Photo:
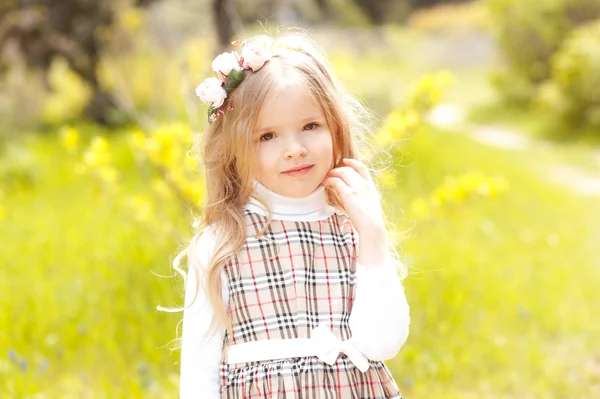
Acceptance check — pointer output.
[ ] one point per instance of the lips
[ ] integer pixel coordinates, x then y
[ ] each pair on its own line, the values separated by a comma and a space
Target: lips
298, 168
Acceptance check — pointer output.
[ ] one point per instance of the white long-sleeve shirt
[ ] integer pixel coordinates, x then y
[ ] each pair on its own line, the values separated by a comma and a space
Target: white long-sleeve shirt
379, 319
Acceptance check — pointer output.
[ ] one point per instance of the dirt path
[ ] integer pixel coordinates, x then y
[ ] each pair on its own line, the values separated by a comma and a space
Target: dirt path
452, 117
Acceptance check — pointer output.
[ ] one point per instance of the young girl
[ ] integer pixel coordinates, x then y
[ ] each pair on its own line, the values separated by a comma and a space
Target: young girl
292, 290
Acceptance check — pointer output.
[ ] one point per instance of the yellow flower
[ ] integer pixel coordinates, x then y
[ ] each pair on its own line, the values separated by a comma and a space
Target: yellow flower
445, 78
396, 123
384, 137
499, 185
97, 153
193, 192
429, 90
69, 138
436, 201
459, 188
132, 20
411, 118
159, 186
420, 208
167, 144
99, 143
107, 174
92, 158
141, 207
485, 188
387, 178
189, 162
137, 139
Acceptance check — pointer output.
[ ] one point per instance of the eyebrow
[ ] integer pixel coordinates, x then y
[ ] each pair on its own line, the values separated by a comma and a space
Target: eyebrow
303, 121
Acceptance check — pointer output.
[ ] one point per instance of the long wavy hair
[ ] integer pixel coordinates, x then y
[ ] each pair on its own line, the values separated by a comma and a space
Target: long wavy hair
229, 158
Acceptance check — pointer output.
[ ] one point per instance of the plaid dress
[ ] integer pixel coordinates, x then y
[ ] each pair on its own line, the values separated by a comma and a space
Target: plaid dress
310, 282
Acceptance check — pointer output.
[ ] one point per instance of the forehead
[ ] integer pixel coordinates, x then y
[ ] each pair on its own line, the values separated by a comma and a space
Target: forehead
288, 106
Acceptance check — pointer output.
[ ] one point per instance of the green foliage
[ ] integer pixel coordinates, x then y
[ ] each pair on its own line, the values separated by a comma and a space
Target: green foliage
514, 88
528, 34
210, 111
503, 288
233, 80
574, 90
503, 296
493, 285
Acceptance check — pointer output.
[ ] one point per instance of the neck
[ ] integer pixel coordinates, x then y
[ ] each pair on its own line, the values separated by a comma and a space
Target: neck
314, 206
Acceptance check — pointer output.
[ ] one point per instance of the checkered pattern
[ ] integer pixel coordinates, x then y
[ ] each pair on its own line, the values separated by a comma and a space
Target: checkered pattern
310, 282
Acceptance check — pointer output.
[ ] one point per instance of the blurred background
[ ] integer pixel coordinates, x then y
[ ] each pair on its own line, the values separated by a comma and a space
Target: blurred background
488, 132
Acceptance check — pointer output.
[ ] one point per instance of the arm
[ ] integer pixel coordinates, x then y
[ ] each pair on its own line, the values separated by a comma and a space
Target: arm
200, 348
380, 315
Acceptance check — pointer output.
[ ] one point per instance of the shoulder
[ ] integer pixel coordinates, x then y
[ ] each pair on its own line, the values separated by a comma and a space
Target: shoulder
203, 244
201, 250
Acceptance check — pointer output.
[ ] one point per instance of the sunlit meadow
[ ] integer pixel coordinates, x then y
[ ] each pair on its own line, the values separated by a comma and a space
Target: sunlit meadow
503, 267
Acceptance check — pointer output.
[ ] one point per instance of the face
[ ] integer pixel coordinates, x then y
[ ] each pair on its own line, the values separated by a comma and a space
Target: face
291, 131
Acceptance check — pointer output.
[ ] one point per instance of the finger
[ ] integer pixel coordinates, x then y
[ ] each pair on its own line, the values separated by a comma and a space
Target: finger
338, 184
359, 167
350, 176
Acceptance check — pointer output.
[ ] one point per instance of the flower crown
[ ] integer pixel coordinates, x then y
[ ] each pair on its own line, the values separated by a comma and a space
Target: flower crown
230, 72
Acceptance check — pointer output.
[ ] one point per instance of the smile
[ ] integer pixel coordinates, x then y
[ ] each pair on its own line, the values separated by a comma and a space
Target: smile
299, 172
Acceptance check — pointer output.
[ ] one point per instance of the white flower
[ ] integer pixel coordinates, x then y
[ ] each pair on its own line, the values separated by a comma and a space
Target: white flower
224, 63
211, 91
255, 55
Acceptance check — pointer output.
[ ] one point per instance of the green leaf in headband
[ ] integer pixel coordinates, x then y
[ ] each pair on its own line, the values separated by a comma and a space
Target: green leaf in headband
234, 78
211, 110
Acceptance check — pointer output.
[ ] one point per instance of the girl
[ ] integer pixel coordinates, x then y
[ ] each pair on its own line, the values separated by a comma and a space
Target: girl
292, 291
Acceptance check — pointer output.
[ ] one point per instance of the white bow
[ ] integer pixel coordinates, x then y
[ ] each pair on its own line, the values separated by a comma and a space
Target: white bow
328, 347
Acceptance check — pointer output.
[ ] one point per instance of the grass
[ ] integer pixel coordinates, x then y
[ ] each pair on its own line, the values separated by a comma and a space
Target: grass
76, 292
562, 142
502, 290
537, 123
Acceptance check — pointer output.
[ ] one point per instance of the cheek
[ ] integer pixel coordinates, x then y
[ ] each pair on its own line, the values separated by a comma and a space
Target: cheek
266, 161
326, 146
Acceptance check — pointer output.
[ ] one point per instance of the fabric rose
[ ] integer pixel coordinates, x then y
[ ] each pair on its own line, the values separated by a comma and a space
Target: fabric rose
211, 91
255, 56
224, 63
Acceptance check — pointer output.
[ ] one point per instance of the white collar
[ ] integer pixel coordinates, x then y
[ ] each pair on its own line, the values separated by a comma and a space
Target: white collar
310, 208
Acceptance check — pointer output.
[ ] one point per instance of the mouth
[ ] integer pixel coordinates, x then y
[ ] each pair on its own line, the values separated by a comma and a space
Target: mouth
299, 171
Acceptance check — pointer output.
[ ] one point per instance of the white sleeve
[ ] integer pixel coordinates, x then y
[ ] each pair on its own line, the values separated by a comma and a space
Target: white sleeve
380, 315
200, 352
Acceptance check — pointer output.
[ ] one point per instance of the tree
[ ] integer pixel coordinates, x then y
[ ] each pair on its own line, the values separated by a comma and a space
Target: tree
227, 22
72, 29
376, 10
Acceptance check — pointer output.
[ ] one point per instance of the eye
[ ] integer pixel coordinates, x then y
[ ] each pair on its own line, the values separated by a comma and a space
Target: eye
311, 126
265, 135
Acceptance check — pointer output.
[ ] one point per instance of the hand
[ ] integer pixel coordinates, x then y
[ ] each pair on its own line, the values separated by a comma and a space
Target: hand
356, 189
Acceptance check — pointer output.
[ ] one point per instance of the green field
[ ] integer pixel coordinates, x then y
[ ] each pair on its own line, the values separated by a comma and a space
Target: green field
503, 288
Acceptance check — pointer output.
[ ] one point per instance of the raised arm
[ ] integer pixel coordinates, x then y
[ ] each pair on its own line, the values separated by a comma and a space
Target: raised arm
200, 348
380, 315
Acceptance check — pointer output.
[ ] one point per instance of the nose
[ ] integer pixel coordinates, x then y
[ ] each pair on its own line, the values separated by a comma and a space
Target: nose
295, 148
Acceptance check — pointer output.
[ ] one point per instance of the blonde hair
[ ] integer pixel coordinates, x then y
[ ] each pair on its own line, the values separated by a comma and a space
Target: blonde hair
228, 156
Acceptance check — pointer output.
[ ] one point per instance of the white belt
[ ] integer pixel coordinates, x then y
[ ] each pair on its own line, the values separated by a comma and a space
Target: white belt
322, 343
